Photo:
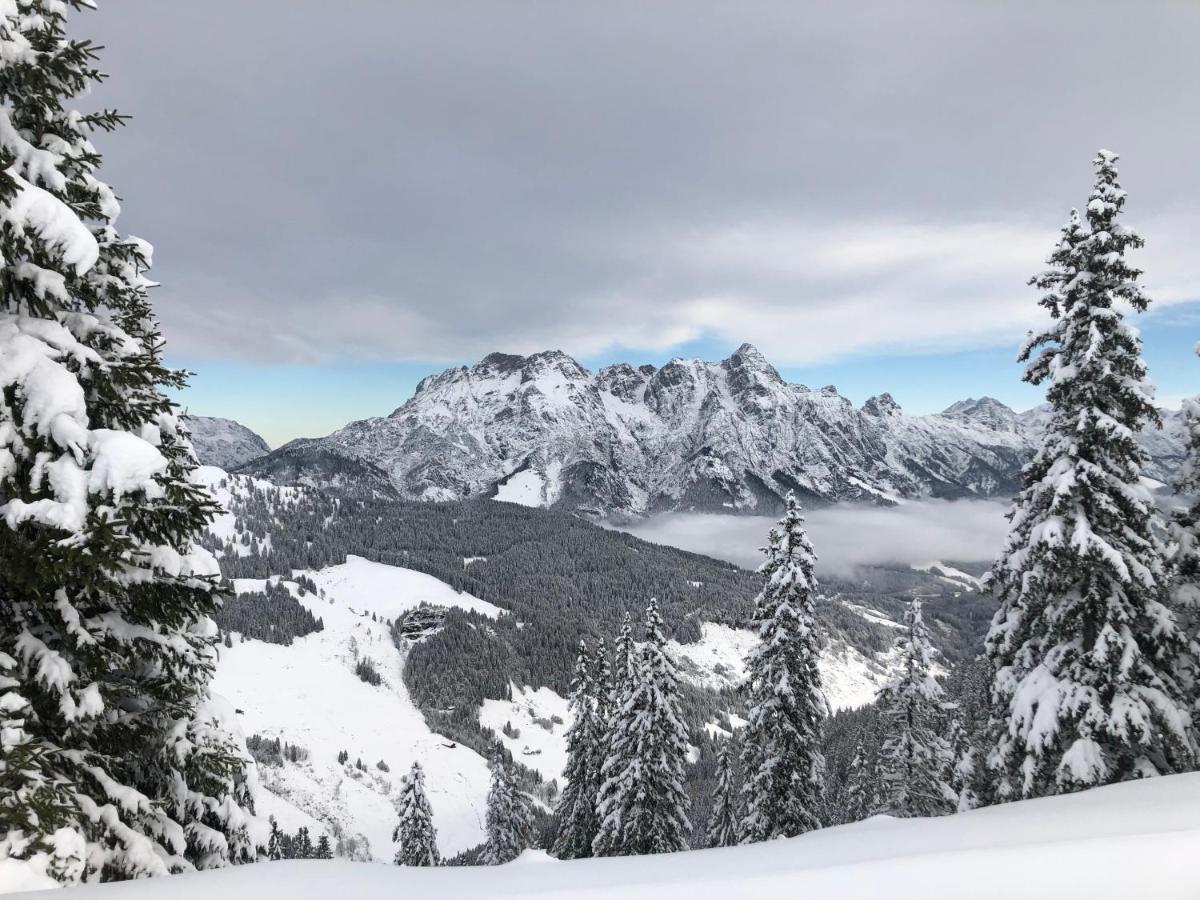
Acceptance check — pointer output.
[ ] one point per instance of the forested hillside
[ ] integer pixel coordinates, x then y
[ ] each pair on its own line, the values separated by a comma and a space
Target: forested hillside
561, 579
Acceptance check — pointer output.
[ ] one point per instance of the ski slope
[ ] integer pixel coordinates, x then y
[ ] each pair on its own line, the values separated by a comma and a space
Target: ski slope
1133, 840
307, 694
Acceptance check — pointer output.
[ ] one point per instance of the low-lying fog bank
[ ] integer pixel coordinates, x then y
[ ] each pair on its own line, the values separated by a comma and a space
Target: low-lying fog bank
847, 536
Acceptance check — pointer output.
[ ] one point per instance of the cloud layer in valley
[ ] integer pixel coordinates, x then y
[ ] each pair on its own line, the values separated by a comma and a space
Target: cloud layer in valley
848, 536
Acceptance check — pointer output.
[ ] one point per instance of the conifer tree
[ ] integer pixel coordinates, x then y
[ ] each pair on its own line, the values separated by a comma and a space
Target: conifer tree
304, 844
323, 851
416, 833
106, 638
602, 691
643, 807
785, 705
626, 661
915, 759
620, 692
508, 817
862, 779
725, 821
1084, 644
576, 809
275, 841
964, 770
1185, 562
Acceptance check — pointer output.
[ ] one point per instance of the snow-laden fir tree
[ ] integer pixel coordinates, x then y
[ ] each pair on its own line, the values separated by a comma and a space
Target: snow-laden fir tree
1185, 562
724, 824
323, 849
643, 806
576, 808
862, 786
415, 833
509, 822
275, 841
1084, 643
115, 761
964, 768
785, 706
915, 760
619, 691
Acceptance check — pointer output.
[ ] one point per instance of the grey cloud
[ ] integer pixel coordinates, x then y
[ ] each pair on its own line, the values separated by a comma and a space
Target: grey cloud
433, 180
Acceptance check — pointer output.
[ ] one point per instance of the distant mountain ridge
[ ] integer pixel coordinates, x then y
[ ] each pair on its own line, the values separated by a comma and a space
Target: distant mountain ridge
224, 443
630, 441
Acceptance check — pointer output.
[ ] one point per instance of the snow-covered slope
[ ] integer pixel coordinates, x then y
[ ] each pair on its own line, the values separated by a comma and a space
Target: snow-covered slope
718, 660
308, 694
223, 442
1136, 839
733, 435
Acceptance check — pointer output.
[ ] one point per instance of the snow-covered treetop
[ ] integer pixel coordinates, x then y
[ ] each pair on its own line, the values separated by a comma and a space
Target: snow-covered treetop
791, 559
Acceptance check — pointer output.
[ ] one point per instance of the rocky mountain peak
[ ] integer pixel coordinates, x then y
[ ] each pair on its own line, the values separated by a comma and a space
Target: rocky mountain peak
881, 406
747, 358
224, 443
986, 411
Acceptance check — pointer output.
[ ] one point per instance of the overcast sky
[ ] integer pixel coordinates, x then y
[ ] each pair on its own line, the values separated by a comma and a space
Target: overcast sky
345, 196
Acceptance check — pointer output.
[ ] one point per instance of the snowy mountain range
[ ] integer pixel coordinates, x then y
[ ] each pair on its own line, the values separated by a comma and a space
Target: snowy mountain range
224, 443
625, 442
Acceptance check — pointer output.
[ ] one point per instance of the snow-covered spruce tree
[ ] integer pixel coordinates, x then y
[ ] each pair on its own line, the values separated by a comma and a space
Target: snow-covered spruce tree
862, 786
509, 823
915, 760
643, 806
724, 823
1084, 644
1185, 562
415, 833
576, 809
120, 759
964, 770
785, 705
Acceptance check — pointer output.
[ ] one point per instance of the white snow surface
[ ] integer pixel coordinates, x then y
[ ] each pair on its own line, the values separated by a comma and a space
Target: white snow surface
1113, 843
541, 748
718, 660
526, 488
308, 694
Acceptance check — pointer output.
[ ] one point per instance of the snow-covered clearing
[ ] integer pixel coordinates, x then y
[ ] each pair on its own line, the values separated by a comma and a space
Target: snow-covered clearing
308, 694
1130, 840
525, 488
385, 590
541, 742
949, 574
718, 659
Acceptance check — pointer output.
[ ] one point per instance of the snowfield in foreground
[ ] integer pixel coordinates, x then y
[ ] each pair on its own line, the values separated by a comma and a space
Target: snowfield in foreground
1134, 840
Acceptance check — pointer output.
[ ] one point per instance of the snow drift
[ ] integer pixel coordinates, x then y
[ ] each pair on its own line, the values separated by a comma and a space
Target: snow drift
1127, 840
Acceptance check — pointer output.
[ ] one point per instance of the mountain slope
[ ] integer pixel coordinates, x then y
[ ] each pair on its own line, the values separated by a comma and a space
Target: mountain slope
307, 694
1125, 840
224, 443
626, 442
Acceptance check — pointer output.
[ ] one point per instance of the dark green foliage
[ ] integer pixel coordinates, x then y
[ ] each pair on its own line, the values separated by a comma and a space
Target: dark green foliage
101, 580
273, 616
366, 671
273, 752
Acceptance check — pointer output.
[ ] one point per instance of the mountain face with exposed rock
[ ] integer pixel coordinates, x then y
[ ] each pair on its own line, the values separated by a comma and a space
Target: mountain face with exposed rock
224, 443
629, 441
